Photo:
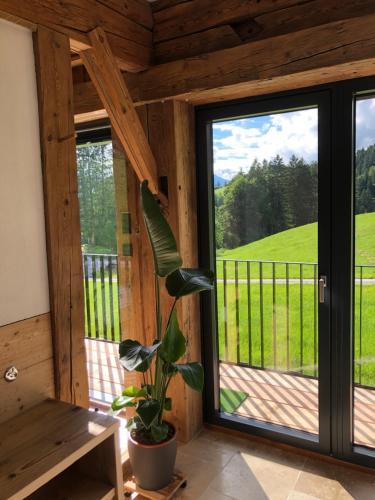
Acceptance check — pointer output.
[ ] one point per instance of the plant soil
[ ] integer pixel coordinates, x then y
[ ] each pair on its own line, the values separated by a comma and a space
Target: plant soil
142, 436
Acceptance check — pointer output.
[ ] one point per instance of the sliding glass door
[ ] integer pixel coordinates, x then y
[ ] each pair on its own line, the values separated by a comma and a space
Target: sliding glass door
287, 199
364, 273
267, 170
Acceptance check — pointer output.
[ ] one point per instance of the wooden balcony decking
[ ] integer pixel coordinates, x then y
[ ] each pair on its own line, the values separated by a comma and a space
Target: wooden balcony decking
279, 398
292, 401
106, 376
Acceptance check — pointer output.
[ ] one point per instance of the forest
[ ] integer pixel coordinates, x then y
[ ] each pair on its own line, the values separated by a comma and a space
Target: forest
270, 197
96, 194
275, 195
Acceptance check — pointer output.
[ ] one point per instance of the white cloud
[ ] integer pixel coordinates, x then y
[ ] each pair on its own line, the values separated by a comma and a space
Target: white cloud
238, 143
365, 123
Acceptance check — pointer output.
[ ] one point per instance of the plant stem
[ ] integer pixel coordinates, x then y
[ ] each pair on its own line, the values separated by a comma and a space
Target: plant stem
162, 398
171, 311
145, 384
158, 312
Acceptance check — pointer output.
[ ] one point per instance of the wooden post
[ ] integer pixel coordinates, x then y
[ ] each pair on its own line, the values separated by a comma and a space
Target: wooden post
169, 128
122, 237
58, 146
171, 137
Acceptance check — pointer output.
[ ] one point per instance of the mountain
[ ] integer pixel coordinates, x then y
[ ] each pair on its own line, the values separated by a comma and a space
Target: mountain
219, 181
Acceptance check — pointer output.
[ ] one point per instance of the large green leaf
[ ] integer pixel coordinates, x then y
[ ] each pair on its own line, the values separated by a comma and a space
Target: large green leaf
134, 356
173, 346
134, 392
163, 243
122, 402
168, 404
193, 375
159, 432
148, 411
185, 281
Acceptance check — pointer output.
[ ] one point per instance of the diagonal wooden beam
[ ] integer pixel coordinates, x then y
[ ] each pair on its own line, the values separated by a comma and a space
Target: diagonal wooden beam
110, 85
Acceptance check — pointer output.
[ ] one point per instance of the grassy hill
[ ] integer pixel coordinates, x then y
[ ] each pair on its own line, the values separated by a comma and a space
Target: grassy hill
300, 244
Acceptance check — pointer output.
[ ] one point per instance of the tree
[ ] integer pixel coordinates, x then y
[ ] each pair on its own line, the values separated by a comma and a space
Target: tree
96, 195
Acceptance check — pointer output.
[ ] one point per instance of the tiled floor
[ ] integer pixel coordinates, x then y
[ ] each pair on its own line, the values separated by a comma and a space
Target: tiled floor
222, 467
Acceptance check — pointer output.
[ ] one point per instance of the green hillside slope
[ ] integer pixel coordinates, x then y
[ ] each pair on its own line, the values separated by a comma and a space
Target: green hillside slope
300, 244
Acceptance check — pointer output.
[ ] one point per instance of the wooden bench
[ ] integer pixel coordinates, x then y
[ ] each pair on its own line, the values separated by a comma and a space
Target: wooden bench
59, 451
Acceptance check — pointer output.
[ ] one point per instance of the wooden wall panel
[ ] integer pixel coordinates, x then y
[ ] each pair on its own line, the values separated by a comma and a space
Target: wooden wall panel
123, 262
27, 345
55, 89
144, 328
189, 311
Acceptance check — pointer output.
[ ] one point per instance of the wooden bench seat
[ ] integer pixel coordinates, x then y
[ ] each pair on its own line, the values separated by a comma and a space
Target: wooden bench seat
57, 450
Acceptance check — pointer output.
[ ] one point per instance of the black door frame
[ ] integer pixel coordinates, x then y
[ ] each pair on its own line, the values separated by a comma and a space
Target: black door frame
343, 165
336, 216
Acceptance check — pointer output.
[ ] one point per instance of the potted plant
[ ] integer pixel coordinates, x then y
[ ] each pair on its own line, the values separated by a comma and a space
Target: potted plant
152, 439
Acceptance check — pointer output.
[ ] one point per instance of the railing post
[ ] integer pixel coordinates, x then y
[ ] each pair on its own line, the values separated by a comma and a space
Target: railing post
237, 312
274, 315
106, 322
261, 314
225, 309
250, 347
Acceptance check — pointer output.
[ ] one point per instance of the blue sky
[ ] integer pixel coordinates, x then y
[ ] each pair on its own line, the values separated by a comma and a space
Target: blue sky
237, 143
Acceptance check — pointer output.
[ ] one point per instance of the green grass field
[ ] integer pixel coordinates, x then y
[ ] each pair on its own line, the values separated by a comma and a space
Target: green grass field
300, 244
301, 326
284, 327
104, 328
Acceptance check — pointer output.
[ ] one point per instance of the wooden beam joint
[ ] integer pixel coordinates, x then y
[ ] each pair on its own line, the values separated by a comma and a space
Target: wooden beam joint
110, 85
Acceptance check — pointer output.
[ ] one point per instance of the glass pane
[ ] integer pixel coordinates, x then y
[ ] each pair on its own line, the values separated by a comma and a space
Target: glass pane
364, 289
266, 207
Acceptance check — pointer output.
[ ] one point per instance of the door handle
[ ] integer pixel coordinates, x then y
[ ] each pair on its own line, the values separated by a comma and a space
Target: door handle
322, 287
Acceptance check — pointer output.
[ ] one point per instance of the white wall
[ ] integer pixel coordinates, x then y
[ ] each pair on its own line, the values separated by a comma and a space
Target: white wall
23, 261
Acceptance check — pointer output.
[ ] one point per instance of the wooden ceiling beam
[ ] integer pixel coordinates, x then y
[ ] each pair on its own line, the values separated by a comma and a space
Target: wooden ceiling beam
138, 11
210, 40
198, 15
131, 42
294, 18
334, 51
349, 44
110, 85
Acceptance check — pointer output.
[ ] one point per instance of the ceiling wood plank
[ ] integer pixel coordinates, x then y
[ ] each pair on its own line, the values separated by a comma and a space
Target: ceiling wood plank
138, 11
198, 15
210, 40
111, 88
294, 18
159, 5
